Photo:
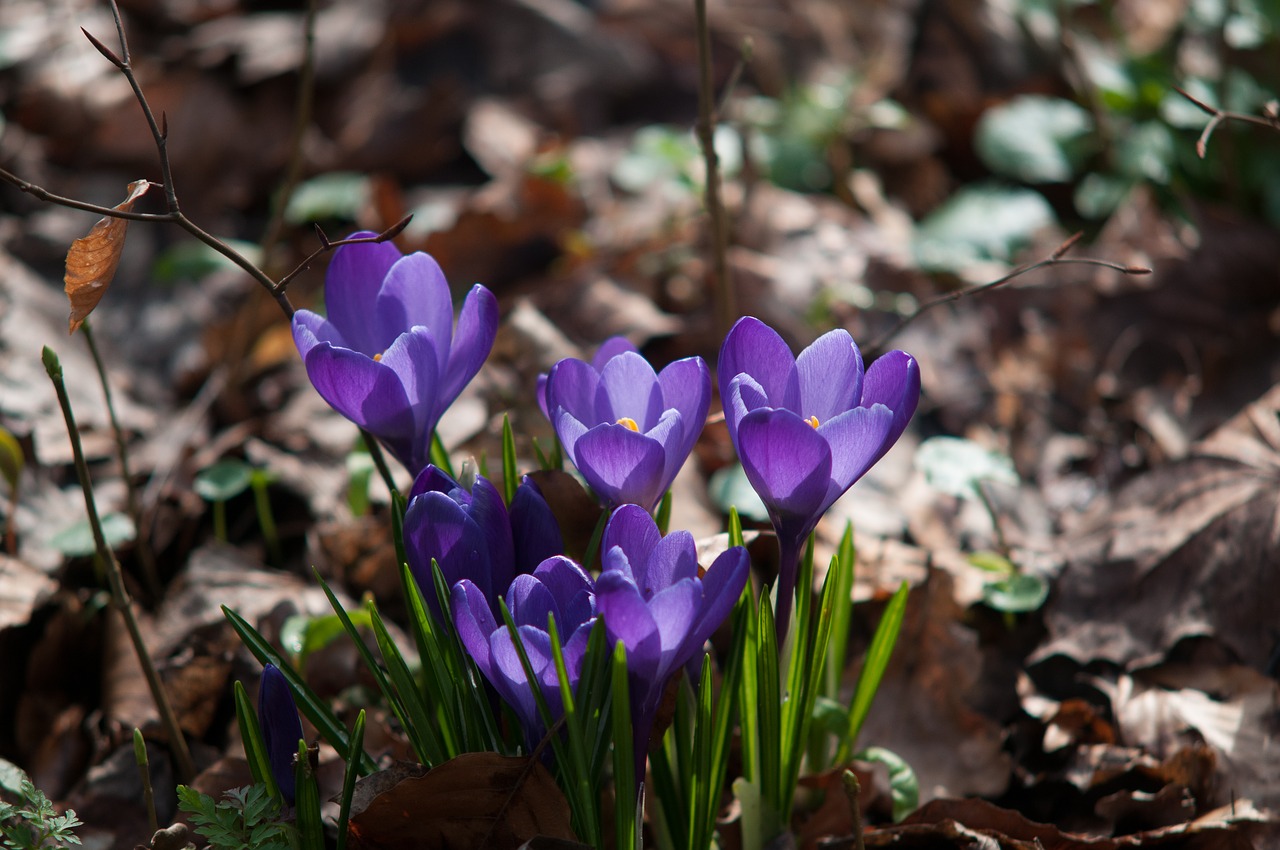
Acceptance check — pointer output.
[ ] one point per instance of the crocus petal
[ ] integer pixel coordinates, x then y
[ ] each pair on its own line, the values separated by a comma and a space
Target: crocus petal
756, 349
830, 376
669, 433
632, 530
675, 611
490, 516
310, 329
894, 381
628, 388
415, 292
412, 357
281, 728
366, 392
787, 462
627, 618
351, 290
686, 387
566, 582
674, 559
621, 465
571, 386
435, 526
477, 329
721, 588
541, 393
568, 430
432, 478
475, 623
510, 680
609, 349
745, 395
535, 534
857, 438
529, 602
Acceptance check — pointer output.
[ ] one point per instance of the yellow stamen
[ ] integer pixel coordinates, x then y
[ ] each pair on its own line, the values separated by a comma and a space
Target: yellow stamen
377, 358
628, 422
813, 420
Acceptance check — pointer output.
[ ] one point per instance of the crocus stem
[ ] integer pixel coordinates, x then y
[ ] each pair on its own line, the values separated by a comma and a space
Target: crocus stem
184, 766
790, 550
145, 556
379, 460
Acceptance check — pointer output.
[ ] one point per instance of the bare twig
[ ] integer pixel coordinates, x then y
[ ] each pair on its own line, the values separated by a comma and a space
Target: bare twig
1054, 259
853, 791
327, 245
726, 308
1217, 117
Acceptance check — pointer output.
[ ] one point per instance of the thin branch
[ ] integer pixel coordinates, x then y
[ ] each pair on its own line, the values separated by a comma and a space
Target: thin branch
1217, 117
327, 244
726, 308
1054, 259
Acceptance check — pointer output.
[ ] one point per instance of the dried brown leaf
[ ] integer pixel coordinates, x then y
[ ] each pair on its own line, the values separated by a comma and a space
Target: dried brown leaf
475, 800
92, 260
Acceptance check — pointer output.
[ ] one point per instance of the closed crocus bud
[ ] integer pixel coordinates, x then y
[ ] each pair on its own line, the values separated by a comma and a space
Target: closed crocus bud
281, 728
627, 429
387, 356
806, 428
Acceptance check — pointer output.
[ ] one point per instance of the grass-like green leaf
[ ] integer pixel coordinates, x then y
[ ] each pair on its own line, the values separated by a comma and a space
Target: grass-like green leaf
307, 801
255, 749
878, 655
349, 781
510, 472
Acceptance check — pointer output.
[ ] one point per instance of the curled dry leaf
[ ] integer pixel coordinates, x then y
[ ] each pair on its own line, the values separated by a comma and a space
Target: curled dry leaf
92, 260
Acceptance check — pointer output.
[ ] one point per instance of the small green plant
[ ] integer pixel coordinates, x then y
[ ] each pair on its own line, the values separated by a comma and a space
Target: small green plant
248, 818
36, 824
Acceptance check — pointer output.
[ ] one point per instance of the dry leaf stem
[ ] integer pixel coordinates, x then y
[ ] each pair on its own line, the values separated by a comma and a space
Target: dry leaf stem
183, 764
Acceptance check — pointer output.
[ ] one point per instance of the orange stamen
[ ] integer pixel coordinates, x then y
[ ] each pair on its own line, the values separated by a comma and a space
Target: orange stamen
377, 358
813, 420
628, 422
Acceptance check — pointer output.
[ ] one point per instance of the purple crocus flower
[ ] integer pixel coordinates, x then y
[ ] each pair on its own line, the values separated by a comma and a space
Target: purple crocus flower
387, 357
557, 587
472, 535
807, 427
627, 429
281, 728
652, 599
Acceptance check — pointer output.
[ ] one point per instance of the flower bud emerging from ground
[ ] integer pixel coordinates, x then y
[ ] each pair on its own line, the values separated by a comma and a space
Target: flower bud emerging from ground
627, 429
281, 728
806, 428
387, 357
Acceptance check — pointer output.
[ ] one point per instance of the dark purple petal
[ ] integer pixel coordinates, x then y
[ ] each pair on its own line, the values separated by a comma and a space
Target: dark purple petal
721, 588
628, 388
621, 465
541, 393
415, 293
529, 602
669, 433
432, 478
435, 526
894, 381
535, 533
351, 290
571, 384
609, 349
477, 328
281, 728
830, 376
490, 516
786, 461
569, 585
633, 530
568, 430
858, 438
510, 680
754, 348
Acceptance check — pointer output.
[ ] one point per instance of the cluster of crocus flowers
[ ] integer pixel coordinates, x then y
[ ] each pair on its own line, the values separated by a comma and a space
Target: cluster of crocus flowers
627, 429
806, 428
387, 357
471, 534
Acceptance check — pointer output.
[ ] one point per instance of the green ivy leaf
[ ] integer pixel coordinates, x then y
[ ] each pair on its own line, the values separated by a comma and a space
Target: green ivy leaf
77, 540
225, 480
954, 465
980, 223
1035, 139
1017, 594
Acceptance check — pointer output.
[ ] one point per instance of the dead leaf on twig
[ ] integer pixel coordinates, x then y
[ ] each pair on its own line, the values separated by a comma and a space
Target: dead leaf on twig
92, 260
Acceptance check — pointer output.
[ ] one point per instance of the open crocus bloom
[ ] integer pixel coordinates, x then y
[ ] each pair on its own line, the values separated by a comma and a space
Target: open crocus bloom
806, 428
387, 357
281, 728
557, 587
652, 599
627, 429
472, 535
